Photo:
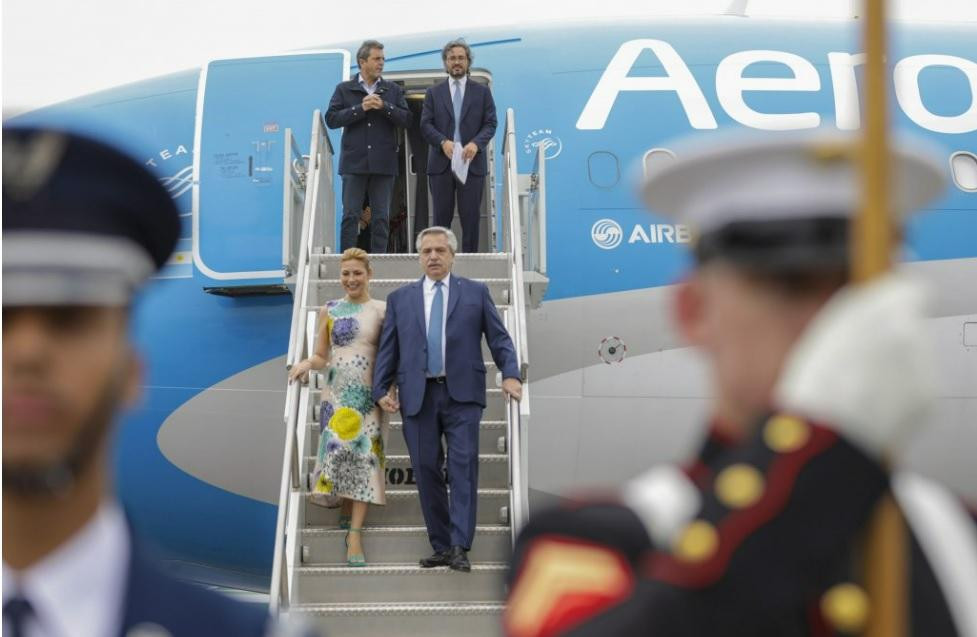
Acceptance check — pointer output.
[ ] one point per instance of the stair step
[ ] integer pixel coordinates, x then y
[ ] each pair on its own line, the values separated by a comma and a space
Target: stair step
392, 544
490, 432
431, 619
400, 582
390, 266
501, 308
403, 508
493, 470
495, 404
322, 290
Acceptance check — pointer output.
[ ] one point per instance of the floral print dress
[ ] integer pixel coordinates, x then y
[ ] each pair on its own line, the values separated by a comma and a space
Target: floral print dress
353, 430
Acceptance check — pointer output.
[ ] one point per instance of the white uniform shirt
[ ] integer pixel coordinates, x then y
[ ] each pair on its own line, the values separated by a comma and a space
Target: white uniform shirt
78, 590
428, 301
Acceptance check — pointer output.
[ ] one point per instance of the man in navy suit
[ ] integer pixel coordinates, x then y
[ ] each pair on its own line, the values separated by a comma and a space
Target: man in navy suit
370, 109
458, 112
83, 227
431, 344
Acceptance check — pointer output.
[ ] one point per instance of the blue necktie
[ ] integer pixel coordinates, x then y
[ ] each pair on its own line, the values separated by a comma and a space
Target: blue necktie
456, 103
15, 613
434, 362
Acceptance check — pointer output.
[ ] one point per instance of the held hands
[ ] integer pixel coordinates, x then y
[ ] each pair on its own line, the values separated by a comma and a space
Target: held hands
864, 366
389, 403
448, 148
513, 388
371, 102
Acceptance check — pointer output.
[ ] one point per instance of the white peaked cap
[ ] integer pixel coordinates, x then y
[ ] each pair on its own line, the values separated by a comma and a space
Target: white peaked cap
768, 177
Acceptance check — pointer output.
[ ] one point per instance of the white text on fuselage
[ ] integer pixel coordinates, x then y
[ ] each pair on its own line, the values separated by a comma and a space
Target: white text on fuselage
660, 233
731, 84
166, 154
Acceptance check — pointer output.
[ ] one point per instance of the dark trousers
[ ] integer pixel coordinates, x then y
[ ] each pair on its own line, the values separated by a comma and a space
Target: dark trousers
445, 189
355, 191
458, 423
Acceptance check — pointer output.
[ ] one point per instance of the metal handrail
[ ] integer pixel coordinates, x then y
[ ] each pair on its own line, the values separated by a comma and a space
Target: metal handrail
517, 412
308, 219
537, 229
295, 171
319, 159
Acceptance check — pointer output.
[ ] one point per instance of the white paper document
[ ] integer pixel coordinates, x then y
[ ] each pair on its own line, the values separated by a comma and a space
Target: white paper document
459, 166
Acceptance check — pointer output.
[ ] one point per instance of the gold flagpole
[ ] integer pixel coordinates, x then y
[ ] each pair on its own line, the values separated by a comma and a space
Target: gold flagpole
871, 251
872, 237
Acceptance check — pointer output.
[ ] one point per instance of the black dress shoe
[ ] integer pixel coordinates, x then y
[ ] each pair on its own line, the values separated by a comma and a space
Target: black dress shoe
442, 558
459, 560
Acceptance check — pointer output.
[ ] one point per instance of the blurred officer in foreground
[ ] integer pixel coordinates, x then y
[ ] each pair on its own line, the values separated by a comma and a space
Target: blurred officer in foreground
83, 227
818, 385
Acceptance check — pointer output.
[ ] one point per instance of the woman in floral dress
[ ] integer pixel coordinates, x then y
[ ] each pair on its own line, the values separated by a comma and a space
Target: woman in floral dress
350, 462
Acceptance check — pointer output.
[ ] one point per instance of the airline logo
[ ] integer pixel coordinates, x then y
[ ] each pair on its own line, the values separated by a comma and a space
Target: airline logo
543, 137
733, 81
608, 234
179, 182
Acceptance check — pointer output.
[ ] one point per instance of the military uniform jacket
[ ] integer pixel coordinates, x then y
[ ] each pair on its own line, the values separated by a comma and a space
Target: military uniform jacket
370, 142
773, 550
158, 605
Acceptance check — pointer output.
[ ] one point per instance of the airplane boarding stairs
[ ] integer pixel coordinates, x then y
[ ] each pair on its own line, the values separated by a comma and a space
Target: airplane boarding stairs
393, 595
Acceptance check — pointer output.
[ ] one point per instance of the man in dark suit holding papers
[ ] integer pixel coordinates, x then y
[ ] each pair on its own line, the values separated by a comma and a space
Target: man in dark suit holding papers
458, 121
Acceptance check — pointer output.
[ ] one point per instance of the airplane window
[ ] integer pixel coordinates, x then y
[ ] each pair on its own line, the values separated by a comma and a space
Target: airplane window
655, 159
963, 165
603, 169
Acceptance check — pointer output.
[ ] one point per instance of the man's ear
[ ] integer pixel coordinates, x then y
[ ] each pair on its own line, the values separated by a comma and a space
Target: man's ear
688, 309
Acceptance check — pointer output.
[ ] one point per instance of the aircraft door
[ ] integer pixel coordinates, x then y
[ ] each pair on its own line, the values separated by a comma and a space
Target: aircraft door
243, 108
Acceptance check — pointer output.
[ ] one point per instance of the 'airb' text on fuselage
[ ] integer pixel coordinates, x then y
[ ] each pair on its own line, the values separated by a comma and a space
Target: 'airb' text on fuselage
731, 84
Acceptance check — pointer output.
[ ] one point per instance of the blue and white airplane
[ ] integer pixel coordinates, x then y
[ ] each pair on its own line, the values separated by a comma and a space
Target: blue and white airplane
198, 465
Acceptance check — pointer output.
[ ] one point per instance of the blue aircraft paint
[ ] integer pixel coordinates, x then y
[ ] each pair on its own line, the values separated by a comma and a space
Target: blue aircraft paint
248, 104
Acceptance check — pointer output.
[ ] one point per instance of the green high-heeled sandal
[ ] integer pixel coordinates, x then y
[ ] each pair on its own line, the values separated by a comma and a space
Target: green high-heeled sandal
357, 559
344, 521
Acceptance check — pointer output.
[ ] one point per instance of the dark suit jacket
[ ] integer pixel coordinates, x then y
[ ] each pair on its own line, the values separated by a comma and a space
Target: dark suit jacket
369, 144
403, 344
478, 124
183, 609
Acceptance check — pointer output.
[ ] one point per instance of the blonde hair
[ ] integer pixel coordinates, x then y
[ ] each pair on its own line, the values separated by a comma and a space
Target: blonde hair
357, 254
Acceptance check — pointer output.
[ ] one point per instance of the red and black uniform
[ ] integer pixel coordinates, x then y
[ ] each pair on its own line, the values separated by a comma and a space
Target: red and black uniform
780, 521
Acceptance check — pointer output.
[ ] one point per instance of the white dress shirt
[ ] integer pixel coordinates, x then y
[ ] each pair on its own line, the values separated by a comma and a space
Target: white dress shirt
79, 589
428, 301
372, 88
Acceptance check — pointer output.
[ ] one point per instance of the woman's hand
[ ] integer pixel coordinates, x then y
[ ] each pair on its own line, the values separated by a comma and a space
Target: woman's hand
300, 371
